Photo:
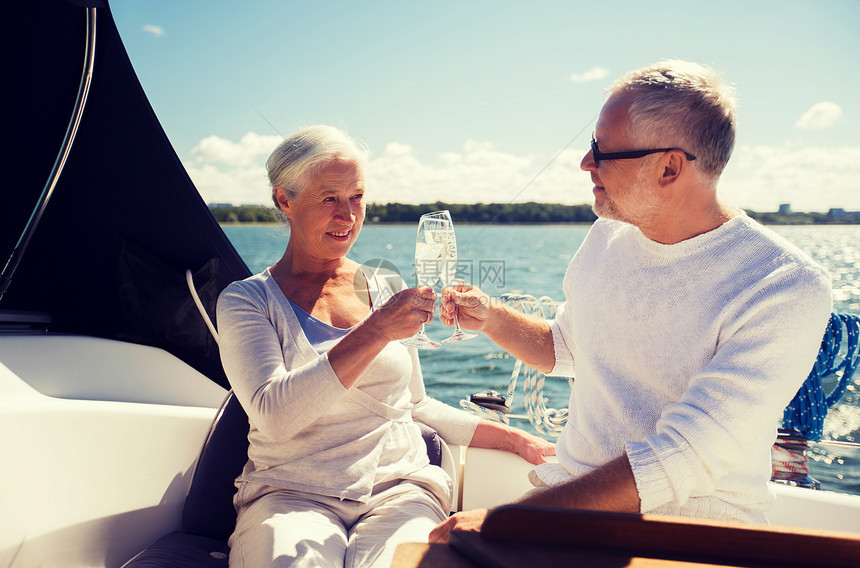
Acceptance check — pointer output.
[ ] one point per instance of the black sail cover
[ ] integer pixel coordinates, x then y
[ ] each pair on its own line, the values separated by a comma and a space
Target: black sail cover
125, 221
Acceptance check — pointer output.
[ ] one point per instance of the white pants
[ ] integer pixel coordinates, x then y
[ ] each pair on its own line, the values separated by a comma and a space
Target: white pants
291, 528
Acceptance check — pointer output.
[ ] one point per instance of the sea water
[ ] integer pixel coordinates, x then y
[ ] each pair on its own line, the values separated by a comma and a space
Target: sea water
532, 259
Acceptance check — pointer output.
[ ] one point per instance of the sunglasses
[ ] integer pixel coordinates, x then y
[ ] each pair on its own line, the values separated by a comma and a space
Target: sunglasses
598, 155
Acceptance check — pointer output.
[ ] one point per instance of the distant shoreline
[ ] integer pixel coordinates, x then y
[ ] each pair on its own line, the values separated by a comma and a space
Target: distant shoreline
530, 213
406, 223
475, 223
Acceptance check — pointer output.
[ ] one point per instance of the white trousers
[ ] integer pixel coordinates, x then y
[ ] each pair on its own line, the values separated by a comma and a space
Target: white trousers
291, 528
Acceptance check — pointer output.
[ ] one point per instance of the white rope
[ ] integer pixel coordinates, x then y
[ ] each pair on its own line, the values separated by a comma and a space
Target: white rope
488, 413
548, 421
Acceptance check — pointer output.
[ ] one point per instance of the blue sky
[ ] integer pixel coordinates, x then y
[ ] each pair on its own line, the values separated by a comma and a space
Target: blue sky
469, 101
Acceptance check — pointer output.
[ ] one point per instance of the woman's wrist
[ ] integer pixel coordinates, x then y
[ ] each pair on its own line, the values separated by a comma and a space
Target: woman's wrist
372, 331
494, 436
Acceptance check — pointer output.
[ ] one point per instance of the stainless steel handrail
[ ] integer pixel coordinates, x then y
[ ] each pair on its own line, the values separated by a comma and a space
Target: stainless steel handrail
59, 164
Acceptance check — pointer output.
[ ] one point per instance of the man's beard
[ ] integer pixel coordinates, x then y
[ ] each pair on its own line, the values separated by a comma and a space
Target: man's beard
638, 204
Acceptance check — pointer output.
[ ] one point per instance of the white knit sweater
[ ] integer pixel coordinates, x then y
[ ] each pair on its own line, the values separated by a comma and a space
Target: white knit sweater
685, 356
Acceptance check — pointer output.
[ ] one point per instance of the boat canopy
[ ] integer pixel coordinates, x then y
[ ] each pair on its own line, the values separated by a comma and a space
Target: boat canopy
109, 244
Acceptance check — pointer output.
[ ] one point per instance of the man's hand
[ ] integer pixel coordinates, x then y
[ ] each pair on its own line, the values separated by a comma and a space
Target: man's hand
470, 303
463, 521
526, 337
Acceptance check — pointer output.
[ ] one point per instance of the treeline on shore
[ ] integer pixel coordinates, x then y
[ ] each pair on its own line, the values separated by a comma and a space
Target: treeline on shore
503, 213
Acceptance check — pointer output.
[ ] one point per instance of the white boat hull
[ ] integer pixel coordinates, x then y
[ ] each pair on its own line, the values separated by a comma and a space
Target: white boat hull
89, 479
96, 468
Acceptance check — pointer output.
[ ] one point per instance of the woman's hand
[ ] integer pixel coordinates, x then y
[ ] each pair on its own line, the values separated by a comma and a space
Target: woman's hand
402, 315
496, 436
471, 304
398, 318
531, 448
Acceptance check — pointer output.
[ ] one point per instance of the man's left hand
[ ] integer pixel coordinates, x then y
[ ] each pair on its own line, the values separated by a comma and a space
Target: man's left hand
463, 521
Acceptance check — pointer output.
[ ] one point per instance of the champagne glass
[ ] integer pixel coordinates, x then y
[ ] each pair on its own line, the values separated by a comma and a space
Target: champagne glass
430, 246
449, 273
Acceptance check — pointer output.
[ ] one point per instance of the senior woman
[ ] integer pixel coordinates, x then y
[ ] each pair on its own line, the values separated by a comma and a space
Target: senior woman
337, 471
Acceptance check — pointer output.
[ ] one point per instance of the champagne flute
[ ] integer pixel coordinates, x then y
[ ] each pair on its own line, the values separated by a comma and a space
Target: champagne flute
449, 273
430, 246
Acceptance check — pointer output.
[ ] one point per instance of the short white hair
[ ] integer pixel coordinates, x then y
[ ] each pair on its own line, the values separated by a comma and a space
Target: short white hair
306, 152
683, 104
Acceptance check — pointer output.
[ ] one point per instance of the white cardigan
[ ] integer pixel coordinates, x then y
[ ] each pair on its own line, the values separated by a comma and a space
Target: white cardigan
308, 432
685, 356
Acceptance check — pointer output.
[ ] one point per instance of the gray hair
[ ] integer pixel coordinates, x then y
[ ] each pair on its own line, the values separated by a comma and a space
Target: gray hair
303, 154
683, 104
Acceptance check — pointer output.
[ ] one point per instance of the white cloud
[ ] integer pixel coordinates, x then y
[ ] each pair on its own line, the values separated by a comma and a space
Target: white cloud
593, 74
238, 185
478, 173
808, 178
157, 31
394, 149
821, 115
759, 178
247, 151
232, 172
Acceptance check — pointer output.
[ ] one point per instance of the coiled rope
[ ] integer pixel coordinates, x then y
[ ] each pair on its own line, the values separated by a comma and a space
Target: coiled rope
788, 460
549, 421
805, 413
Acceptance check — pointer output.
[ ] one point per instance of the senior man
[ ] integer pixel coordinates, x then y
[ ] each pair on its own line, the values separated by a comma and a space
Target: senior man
688, 326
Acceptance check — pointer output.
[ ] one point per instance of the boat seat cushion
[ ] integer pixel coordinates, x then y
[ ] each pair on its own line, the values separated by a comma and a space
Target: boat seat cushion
433, 442
208, 517
208, 509
182, 549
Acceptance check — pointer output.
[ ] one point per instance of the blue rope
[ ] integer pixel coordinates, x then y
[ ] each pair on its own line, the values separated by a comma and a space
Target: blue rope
805, 414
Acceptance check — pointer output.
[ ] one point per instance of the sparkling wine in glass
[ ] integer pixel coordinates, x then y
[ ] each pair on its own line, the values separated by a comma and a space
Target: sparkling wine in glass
430, 247
449, 273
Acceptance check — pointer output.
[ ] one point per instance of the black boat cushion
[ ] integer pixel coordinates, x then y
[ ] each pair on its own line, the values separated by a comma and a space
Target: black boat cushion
433, 442
182, 550
208, 517
209, 507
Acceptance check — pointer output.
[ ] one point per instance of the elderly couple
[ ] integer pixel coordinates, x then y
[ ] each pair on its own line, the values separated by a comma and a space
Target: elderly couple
689, 328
